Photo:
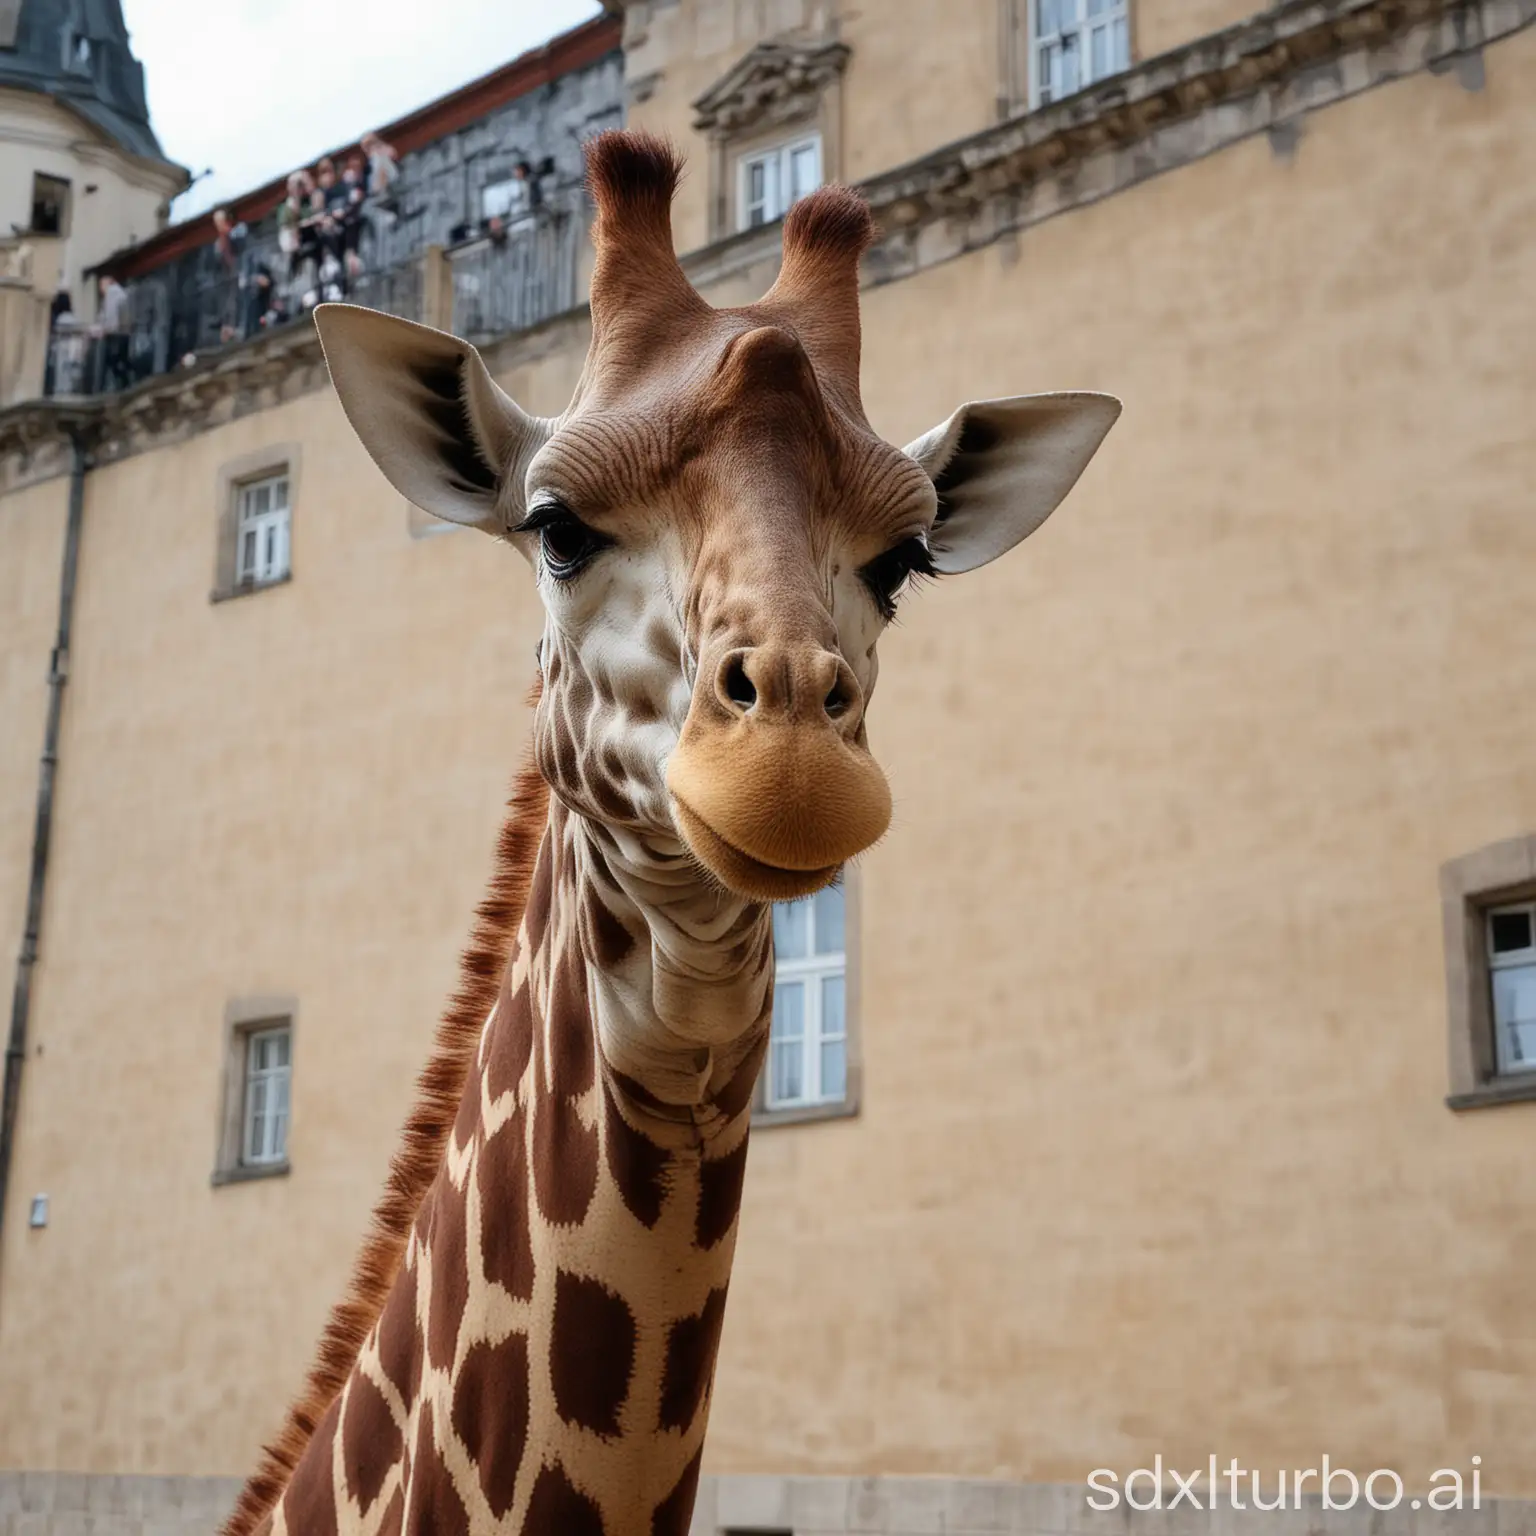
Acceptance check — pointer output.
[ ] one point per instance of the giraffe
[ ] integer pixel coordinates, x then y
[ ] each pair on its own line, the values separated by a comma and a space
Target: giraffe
718, 538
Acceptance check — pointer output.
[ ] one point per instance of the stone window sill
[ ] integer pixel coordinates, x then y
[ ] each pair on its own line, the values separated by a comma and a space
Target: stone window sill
1499, 1090
764, 1119
248, 589
248, 1173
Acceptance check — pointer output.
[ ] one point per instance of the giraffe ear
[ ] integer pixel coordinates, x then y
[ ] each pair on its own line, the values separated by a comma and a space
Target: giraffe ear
1001, 467
447, 437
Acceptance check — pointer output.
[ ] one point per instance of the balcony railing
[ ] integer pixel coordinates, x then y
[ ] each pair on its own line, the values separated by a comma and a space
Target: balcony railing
500, 283
518, 278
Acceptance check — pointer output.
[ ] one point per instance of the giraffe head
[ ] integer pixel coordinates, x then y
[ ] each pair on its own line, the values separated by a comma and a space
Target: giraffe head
718, 536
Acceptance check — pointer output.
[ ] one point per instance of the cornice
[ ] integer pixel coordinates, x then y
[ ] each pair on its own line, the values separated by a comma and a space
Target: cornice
1262, 76
773, 83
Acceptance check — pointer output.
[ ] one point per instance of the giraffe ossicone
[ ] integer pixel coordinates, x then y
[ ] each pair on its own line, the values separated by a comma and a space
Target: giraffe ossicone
719, 538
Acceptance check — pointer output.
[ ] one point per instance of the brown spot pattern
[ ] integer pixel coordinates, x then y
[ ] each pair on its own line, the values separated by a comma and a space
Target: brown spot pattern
490, 1415
611, 940
559, 1509
434, 1507
511, 1043
450, 1271
506, 1240
592, 1353
564, 1162
537, 920
691, 1348
720, 1185
469, 1111
310, 1503
400, 1343
371, 1442
638, 1165
570, 1027
674, 1512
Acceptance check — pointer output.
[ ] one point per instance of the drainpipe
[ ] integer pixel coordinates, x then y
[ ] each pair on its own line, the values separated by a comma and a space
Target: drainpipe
58, 675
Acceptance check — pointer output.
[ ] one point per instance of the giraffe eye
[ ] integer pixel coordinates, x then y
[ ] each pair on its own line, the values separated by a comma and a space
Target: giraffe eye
565, 542
887, 574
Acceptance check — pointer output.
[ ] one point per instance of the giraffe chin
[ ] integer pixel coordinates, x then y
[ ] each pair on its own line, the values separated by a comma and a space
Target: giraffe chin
740, 872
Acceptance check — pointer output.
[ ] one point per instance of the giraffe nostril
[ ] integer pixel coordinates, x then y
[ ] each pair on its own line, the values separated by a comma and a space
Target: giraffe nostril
738, 686
836, 701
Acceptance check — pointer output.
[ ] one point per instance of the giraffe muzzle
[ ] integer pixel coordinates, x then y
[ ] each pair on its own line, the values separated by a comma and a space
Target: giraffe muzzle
773, 809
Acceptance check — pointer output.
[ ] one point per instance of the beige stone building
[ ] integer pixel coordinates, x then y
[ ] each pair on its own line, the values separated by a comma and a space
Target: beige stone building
1191, 1001
81, 172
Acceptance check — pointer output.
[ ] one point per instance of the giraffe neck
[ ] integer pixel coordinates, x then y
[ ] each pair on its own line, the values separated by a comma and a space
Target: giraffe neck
543, 1362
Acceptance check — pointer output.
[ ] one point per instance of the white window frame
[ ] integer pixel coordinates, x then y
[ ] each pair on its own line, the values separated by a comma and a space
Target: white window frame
263, 529
777, 162
1081, 26
1507, 1060
811, 970
264, 1131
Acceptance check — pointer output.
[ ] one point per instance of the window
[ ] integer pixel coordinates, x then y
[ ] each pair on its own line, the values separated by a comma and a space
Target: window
264, 1135
1488, 908
772, 180
255, 495
1512, 978
1075, 43
256, 1089
50, 205
808, 1042
261, 548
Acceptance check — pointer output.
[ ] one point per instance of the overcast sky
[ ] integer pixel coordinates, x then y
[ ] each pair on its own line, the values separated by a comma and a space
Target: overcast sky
253, 88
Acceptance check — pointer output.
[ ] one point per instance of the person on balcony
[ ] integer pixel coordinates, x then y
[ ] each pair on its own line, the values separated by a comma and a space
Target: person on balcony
112, 320
352, 213
383, 169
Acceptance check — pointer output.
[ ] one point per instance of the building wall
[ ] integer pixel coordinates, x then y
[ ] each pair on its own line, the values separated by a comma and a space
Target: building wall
1153, 1155
127, 205
945, 75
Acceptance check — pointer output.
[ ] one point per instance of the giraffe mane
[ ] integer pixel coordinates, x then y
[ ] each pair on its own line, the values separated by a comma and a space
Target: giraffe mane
420, 1153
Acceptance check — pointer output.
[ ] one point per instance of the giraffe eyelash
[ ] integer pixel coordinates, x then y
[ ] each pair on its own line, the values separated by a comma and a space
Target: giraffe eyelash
886, 575
566, 543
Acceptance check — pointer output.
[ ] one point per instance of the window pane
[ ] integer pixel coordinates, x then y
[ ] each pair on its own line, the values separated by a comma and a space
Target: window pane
834, 1069
787, 1085
789, 1011
792, 930
280, 493
1122, 49
1045, 18
1514, 995
1099, 53
804, 171
1047, 74
1514, 1014
280, 1049
829, 920
1067, 79
278, 1141
1509, 931
248, 553
270, 560
832, 1022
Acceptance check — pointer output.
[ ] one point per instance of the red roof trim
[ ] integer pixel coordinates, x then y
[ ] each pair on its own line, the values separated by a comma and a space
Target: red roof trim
562, 55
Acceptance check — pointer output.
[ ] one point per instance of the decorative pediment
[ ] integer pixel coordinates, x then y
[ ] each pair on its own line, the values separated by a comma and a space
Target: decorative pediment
775, 83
